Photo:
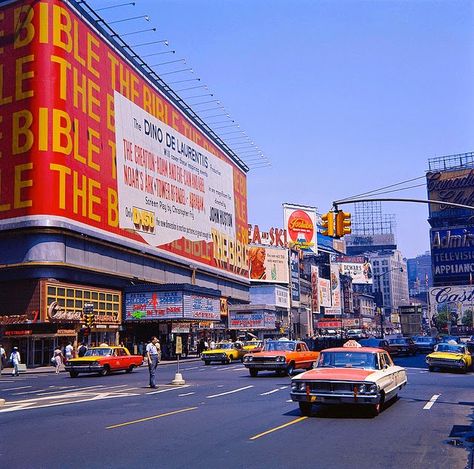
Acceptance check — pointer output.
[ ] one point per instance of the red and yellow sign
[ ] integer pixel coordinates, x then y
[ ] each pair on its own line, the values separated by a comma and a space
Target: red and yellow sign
300, 224
58, 76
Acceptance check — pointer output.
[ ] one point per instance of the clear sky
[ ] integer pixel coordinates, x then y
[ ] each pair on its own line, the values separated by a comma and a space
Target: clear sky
343, 96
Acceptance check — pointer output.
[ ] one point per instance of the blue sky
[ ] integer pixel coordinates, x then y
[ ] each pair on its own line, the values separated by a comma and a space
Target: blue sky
343, 96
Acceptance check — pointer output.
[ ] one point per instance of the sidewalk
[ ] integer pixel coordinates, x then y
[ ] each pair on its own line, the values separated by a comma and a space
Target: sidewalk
52, 369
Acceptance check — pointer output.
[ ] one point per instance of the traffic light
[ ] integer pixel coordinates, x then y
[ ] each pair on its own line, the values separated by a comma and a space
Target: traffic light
328, 224
89, 319
343, 224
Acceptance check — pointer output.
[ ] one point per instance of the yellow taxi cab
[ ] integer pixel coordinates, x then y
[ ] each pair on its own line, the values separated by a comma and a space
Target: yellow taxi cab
253, 346
225, 352
450, 355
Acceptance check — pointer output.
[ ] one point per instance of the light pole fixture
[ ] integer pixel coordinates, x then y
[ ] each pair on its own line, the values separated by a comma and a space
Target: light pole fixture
115, 6
133, 32
163, 41
145, 17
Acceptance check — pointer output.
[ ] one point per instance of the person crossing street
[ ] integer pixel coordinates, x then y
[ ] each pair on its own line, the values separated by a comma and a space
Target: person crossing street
153, 350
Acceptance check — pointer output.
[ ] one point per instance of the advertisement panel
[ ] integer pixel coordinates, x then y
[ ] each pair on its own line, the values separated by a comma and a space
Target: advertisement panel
295, 277
171, 305
335, 288
300, 225
452, 299
270, 295
314, 289
268, 264
273, 237
261, 320
358, 267
324, 292
452, 255
455, 186
84, 122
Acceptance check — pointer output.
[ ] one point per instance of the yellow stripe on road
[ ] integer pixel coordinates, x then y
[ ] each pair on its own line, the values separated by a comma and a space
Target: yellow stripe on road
278, 428
150, 418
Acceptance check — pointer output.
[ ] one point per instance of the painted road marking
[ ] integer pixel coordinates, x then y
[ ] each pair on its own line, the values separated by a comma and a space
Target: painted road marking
229, 392
15, 389
289, 400
185, 394
150, 418
192, 368
169, 389
269, 392
299, 419
430, 403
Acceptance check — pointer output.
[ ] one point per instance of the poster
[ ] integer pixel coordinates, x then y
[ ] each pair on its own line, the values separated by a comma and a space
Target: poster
268, 264
300, 225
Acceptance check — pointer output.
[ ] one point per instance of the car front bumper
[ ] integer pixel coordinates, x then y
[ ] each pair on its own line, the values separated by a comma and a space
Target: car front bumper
266, 365
446, 364
323, 398
84, 368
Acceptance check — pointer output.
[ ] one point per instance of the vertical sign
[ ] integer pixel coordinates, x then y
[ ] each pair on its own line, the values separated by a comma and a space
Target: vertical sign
314, 289
335, 289
295, 277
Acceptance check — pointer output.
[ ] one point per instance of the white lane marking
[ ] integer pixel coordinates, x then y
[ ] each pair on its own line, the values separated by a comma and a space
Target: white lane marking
220, 385
269, 392
15, 389
240, 368
185, 394
430, 403
284, 387
289, 400
192, 368
229, 392
169, 389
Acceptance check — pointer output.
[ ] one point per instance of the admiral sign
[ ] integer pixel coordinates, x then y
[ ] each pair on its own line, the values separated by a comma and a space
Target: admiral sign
452, 255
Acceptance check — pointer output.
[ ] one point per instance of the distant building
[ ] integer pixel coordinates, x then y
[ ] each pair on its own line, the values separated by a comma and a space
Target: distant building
420, 277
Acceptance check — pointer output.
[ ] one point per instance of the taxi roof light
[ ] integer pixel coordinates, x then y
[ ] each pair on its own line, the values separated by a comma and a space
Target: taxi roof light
352, 343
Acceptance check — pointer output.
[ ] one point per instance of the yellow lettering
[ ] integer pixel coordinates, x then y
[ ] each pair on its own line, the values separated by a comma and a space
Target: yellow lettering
79, 193
22, 135
62, 30
63, 172
21, 184
62, 142
93, 199
24, 29
112, 207
21, 76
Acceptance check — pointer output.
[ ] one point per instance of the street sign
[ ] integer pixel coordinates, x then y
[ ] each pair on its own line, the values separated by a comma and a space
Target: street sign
179, 345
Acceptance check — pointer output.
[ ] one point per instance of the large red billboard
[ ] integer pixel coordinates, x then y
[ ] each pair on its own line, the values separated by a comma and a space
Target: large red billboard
61, 154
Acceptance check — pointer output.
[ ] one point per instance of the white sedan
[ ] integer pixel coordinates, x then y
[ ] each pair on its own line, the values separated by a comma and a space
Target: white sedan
351, 374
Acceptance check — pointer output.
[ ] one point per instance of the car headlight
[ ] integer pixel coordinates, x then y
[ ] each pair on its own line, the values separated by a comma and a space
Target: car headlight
362, 389
298, 386
280, 359
461, 362
428, 359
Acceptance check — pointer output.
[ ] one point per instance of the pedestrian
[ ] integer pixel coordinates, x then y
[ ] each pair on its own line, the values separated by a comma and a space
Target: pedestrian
3, 358
15, 360
58, 359
153, 350
82, 350
68, 351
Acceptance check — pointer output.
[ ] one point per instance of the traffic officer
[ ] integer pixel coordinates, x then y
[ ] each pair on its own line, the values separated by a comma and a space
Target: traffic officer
153, 350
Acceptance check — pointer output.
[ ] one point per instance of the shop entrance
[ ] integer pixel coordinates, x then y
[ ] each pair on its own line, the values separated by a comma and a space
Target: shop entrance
42, 351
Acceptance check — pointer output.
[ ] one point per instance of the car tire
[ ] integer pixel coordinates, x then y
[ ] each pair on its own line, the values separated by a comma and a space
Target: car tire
73, 374
253, 372
129, 369
229, 359
105, 371
431, 368
305, 408
290, 369
206, 362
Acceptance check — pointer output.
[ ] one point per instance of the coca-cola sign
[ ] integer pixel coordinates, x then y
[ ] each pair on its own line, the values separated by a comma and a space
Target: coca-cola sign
56, 313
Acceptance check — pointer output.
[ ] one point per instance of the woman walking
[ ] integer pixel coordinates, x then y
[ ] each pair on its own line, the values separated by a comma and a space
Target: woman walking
58, 358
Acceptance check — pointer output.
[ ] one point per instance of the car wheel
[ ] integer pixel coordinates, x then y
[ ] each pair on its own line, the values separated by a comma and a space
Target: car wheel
229, 359
290, 369
253, 372
305, 408
129, 369
105, 371
431, 368
206, 362
73, 374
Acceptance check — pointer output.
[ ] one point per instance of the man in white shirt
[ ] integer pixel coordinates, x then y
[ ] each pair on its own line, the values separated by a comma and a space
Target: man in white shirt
3, 358
16, 360
153, 350
68, 351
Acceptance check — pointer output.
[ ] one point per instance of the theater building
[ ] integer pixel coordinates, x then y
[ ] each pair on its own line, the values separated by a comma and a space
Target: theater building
108, 181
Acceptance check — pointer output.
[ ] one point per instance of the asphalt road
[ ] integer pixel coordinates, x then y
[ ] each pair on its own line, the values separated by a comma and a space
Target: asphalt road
224, 418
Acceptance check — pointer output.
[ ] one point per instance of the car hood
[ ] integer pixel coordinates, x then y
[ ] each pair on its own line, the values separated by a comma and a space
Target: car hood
86, 359
219, 350
446, 355
336, 374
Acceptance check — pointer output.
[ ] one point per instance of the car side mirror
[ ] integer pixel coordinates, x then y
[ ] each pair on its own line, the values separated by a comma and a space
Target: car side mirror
385, 366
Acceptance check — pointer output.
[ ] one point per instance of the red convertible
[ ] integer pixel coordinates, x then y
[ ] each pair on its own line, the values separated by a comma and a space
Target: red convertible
103, 360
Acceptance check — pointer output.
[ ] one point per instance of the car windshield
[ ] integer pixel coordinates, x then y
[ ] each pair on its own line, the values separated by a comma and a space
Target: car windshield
398, 341
276, 345
225, 345
449, 348
98, 352
347, 360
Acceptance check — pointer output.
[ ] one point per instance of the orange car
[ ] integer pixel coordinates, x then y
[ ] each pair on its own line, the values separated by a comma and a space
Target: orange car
103, 360
281, 356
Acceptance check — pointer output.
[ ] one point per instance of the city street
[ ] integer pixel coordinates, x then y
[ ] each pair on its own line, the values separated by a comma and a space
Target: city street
223, 417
